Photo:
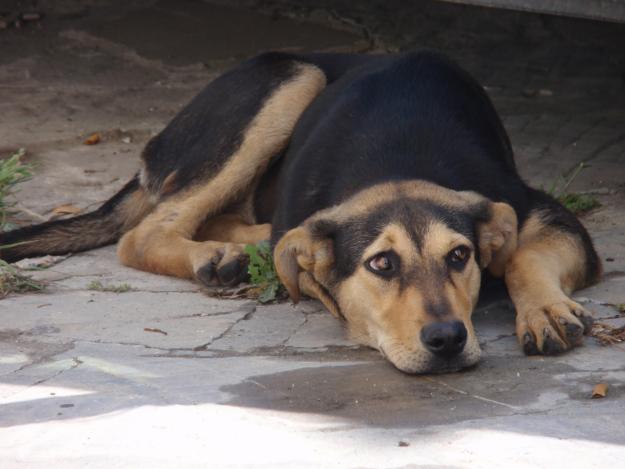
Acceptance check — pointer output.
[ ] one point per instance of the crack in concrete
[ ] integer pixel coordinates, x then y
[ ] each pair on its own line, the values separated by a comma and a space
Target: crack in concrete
132, 290
76, 364
498, 338
64, 347
205, 315
327, 352
601, 148
135, 344
580, 135
246, 317
296, 330
277, 350
474, 396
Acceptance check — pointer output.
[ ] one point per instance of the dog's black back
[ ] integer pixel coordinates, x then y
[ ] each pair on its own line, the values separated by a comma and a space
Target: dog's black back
412, 116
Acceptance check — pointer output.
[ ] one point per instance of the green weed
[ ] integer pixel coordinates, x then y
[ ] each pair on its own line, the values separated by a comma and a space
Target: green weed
96, 285
263, 271
574, 201
579, 203
13, 281
12, 172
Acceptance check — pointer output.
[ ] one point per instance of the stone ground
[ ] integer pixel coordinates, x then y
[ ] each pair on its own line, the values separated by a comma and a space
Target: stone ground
166, 376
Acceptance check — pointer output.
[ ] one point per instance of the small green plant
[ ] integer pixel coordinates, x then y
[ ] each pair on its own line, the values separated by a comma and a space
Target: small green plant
575, 202
96, 285
12, 172
263, 271
579, 203
13, 281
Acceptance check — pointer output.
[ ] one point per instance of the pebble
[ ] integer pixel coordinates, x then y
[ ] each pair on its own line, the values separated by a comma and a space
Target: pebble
31, 16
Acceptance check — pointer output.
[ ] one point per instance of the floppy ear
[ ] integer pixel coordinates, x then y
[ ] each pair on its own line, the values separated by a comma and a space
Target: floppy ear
497, 238
304, 261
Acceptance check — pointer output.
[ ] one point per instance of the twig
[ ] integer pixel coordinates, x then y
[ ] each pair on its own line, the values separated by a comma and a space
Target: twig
30, 213
474, 396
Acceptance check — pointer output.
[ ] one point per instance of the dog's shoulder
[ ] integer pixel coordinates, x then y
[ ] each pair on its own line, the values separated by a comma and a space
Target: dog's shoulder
408, 116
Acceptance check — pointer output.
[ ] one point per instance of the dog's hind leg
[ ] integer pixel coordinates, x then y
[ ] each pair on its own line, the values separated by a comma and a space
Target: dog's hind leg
554, 258
232, 228
165, 241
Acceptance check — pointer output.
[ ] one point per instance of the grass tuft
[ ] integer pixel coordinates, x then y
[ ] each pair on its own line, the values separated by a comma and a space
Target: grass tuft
12, 280
263, 272
576, 202
12, 172
96, 285
579, 203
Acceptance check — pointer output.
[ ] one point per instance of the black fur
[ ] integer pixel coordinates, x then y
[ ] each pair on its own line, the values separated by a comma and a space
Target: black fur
91, 230
412, 116
398, 117
352, 237
553, 213
200, 139
381, 118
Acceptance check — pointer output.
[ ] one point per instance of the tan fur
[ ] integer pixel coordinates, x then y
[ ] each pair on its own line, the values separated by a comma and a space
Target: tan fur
232, 228
310, 287
298, 251
498, 238
379, 314
163, 242
169, 183
135, 208
366, 200
383, 315
546, 268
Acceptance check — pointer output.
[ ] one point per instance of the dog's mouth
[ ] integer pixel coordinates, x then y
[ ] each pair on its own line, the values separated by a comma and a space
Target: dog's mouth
451, 366
423, 363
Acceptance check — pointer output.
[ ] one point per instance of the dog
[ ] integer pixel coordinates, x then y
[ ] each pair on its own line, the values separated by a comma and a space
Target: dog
387, 186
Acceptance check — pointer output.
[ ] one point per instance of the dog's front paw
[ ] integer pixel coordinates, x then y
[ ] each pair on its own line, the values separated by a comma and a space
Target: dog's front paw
226, 267
553, 328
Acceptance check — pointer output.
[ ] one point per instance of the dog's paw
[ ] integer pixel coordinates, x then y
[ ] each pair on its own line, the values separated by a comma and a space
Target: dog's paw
226, 267
553, 328
233, 271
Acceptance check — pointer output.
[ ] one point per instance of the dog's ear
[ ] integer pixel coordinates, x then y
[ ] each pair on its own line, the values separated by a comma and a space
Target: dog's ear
304, 258
497, 237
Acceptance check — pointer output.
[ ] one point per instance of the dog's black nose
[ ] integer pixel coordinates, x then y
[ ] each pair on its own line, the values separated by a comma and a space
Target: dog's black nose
444, 339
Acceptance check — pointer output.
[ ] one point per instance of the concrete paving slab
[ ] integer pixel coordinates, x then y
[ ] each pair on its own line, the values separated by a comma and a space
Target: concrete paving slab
165, 375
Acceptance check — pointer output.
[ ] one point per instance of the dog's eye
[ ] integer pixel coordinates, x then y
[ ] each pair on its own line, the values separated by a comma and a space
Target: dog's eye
458, 257
383, 264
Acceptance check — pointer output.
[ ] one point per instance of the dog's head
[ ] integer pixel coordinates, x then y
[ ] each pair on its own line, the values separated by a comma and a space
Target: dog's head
401, 263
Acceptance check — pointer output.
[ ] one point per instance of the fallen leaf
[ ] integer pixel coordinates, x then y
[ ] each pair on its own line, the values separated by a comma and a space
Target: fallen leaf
93, 139
31, 16
403, 444
39, 263
607, 334
153, 329
600, 390
66, 209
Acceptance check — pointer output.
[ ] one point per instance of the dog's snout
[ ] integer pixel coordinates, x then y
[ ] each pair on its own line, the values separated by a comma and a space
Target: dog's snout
444, 339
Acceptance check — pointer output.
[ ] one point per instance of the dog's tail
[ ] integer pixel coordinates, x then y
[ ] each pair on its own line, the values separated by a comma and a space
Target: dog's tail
94, 229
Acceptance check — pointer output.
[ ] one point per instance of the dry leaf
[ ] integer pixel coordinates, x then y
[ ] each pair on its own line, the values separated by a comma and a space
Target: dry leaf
154, 329
36, 263
93, 139
66, 209
607, 334
600, 390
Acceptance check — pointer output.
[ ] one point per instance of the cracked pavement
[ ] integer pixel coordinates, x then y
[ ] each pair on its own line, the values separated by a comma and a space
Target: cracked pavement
165, 375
